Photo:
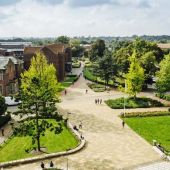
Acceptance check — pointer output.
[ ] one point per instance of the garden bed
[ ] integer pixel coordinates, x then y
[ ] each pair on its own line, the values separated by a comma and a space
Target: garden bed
4, 119
133, 103
97, 87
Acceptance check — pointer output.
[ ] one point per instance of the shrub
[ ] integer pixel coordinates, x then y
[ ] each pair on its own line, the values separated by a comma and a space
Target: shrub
145, 114
163, 96
4, 119
3, 106
133, 103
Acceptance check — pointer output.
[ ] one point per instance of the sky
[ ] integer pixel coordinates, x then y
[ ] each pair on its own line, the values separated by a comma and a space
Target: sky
52, 18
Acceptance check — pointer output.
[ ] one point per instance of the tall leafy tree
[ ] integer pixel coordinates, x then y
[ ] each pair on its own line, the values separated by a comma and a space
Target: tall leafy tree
135, 77
63, 39
106, 70
38, 93
163, 75
97, 50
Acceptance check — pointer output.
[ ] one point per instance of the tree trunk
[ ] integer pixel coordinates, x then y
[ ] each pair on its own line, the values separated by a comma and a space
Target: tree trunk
37, 125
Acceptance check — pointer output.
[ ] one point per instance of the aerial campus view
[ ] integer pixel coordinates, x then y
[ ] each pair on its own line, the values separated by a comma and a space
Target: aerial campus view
84, 85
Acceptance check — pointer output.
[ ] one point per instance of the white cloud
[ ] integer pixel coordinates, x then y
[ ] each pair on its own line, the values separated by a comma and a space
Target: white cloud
128, 17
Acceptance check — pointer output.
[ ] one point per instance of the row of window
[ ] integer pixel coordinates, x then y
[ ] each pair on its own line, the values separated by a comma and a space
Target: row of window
11, 89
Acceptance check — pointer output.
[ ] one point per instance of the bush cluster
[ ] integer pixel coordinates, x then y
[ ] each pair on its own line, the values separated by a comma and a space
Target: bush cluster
145, 114
133, 103
163, 96
96, 87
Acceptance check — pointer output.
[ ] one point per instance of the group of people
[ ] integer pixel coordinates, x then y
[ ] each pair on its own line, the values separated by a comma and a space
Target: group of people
98, 101
43, 165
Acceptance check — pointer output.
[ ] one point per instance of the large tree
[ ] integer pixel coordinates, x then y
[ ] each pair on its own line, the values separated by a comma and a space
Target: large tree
106, 68
38, 93
63, 39
135, 77
97, 50
163, 75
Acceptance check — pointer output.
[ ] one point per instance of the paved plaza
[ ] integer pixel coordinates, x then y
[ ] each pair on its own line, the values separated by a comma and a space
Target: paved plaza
109, 146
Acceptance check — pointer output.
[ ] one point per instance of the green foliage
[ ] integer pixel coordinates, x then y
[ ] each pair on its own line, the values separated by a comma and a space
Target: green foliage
133, 103
152, 128
3, 106
63, 39
163, 76
106, 69
39, 88
96, 87
97, 50
16, 147
135, 77
163, 96
4, 119
145, 114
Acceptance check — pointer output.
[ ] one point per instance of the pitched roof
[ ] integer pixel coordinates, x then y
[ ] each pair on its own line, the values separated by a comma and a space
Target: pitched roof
55, 48
5, 59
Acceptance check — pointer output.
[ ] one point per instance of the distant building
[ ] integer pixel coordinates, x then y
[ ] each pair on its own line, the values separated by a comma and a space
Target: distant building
58, 54
164, 46
13, 48
10, 70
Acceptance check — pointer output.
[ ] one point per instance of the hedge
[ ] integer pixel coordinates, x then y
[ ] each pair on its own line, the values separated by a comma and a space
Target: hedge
133, 103
145, 114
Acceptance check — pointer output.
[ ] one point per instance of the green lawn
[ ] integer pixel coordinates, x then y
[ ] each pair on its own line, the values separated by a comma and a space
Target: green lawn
15, 148
152, 128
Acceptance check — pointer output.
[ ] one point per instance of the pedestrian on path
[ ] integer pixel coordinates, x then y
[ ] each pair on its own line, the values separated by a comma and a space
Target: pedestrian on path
100, 101
2, 131
95, 101
51, 164
42, 165
80, 125
86, 91
65, 92
123, 124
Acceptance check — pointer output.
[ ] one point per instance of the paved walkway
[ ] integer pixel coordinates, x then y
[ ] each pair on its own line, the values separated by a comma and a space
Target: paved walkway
109, 146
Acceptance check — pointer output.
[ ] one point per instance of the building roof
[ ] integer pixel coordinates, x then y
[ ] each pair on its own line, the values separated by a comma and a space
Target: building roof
5, 59
55, 48
164, 46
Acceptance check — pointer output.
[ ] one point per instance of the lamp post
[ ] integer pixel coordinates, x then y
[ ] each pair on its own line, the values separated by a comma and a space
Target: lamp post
124, 107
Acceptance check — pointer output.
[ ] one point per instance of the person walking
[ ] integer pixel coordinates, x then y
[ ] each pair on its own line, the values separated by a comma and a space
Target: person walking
86, 91
123, 124
42, 165
100, 101
65, 92
80, 125
51, 164
2, 131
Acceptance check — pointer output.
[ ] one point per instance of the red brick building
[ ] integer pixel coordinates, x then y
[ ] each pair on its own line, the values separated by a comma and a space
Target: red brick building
57, 54
10, 70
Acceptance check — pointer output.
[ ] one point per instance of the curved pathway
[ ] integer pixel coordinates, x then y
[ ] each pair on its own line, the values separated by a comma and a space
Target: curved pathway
109, 146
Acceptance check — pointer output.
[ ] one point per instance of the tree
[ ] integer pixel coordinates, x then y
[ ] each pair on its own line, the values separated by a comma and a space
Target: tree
3, 106
163, 75
106, 67
63, 39
135, 77
97, 50
38, 93
149, 63
77, 49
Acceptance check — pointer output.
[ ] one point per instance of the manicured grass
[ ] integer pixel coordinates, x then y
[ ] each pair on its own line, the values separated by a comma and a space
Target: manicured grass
152, 128
15, 148
69, 80
133, 103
